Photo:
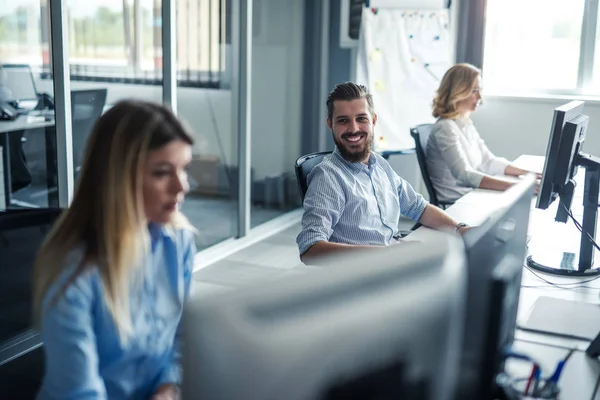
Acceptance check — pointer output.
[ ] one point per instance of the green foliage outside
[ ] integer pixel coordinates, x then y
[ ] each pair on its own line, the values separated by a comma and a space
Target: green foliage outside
104, 31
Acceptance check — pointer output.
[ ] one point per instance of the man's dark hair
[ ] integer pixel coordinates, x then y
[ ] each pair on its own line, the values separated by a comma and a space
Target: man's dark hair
349, 91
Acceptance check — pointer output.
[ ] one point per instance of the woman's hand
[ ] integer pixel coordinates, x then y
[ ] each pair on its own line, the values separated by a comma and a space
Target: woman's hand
167, 391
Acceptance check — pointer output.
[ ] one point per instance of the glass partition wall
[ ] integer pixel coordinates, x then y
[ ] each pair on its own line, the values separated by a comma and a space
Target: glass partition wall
231, 69
28, 163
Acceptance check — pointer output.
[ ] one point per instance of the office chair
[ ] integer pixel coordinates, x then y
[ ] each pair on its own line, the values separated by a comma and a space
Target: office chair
21, 363
86, 108
21, 234
303, 166
420, 134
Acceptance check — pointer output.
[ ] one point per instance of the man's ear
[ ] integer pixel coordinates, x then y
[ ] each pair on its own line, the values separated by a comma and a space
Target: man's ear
329, 125
374, 119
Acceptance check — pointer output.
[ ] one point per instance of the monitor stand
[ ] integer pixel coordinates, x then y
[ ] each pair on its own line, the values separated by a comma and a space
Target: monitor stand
554, 261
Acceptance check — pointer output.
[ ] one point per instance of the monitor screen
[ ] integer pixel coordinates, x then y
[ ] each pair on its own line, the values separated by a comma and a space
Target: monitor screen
495, 252
559, 167
19, 80
385, 324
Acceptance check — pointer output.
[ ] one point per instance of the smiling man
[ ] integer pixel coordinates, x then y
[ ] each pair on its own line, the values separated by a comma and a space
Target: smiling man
354, 198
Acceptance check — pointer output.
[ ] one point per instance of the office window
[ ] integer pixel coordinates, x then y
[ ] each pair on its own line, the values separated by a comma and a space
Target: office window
120, 40
533, 46
28, 162
212, 203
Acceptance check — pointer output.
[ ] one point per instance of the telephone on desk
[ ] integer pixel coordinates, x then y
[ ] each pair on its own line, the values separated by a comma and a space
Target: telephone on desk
8, 112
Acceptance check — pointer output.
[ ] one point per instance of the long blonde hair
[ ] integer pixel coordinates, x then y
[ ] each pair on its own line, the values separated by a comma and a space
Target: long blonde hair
106, 217
457, 85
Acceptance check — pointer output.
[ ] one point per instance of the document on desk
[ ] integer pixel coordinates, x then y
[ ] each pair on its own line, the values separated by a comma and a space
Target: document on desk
2, 194
567, 318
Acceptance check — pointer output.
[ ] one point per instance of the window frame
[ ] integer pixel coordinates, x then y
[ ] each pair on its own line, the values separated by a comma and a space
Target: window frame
208, 79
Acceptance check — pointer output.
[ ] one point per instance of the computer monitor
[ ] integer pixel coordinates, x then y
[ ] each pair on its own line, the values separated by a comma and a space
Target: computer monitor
380, 324
18, 78
563, 157
558, 172
495, 255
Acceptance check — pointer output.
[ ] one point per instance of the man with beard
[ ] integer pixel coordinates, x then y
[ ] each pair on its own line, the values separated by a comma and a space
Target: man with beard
354, 198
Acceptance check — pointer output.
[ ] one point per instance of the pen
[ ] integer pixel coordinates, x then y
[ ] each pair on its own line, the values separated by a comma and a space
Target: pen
551, 385
531, 377
536, 382
558, 371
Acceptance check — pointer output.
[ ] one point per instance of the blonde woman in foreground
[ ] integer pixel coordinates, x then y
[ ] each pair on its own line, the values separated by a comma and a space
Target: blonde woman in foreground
113, 274
457, 158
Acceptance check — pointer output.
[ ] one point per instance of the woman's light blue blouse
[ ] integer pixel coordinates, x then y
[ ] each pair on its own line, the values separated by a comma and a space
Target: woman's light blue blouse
85, 358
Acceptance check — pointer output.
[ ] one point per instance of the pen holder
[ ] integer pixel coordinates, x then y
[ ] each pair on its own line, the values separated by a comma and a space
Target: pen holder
544, 389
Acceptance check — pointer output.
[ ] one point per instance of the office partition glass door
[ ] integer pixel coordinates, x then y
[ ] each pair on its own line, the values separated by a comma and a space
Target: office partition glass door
28, 173
205, 101
277, 90
115, 52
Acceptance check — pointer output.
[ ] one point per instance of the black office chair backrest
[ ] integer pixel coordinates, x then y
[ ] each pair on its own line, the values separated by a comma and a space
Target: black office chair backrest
86, 108
420, 134
303, 166
21, 234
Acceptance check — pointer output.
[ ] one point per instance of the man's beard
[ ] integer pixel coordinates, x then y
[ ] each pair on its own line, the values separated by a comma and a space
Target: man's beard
351, 156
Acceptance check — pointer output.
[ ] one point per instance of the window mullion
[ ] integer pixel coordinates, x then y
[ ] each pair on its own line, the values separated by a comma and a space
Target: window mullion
588, 44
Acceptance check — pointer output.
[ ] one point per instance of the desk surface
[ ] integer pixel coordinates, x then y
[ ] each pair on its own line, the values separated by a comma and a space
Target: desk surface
542, 227
580, 374
24, 122
474, 208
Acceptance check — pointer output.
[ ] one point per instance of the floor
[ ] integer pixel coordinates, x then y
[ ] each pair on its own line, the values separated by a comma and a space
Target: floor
269, 259
272, 258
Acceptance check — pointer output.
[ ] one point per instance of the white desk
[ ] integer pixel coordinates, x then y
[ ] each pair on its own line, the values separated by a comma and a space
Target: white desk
579, 377
476, 206
25, 122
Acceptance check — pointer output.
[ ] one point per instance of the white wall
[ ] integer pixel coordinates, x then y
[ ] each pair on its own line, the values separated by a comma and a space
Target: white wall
513, 126
277, 68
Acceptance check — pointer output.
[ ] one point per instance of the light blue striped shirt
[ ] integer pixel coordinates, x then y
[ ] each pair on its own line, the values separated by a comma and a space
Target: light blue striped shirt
84, 357
355, 203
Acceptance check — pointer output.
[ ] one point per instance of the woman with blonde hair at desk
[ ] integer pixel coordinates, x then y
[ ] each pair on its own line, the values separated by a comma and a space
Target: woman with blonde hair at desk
457, 158
112, 276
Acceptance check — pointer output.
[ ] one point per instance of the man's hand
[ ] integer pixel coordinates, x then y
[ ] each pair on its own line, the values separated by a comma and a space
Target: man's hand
463, 229
167, 391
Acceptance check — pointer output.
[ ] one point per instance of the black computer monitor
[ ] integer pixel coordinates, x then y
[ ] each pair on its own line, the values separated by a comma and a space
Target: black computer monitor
564, 156
559, 167
381, 324
495, 255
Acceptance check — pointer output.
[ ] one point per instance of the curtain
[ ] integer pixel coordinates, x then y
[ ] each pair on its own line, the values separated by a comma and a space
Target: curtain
470, 29
402, 56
